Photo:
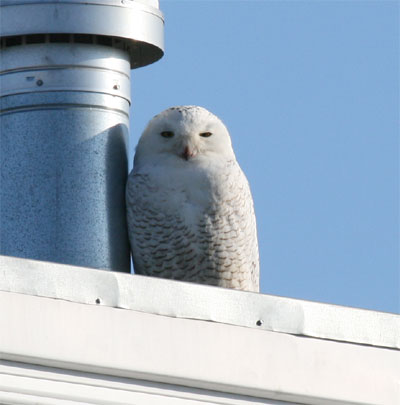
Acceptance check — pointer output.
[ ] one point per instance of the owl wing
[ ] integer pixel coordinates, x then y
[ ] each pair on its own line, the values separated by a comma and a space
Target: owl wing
237, 229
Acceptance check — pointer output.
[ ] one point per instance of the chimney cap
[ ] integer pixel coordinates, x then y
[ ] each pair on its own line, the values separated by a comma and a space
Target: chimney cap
138, 24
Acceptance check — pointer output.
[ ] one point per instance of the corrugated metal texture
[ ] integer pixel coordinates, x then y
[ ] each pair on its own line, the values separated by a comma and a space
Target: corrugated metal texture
192, 301
28, 384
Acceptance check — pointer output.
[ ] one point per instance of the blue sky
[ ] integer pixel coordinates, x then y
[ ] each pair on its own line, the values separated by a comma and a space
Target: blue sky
310, 93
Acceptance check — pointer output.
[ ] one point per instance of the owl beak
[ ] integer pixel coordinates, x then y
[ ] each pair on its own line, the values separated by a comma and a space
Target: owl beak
188, 153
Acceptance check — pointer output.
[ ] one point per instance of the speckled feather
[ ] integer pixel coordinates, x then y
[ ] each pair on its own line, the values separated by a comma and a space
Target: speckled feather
191, 218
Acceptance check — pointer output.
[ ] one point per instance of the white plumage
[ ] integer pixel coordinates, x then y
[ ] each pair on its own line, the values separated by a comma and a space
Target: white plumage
189, 207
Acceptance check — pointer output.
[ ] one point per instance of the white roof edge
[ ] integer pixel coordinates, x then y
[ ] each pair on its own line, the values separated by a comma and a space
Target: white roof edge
193, 301
189, 353
44, 382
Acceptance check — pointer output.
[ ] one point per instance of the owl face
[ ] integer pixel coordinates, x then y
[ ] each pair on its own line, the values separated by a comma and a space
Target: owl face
187, 134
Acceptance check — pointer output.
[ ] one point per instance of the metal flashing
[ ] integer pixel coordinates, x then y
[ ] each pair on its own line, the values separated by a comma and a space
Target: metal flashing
192, 301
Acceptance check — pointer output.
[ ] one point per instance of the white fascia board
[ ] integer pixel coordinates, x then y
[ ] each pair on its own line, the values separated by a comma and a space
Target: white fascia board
194, 301
193, 353
23, 383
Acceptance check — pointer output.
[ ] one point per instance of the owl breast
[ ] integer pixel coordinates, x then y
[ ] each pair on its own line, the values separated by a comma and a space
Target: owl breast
196, 226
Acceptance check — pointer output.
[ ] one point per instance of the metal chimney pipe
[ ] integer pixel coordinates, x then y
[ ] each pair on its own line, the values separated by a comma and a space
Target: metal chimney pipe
65, 97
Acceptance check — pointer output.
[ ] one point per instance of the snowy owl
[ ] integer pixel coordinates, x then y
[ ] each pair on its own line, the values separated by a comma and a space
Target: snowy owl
189, 207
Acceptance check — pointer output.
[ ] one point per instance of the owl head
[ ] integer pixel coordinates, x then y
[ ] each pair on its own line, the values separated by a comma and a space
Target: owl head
184, 135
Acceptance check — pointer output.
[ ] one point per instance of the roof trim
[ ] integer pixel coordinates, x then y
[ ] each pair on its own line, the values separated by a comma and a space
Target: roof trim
191, 353
192, 301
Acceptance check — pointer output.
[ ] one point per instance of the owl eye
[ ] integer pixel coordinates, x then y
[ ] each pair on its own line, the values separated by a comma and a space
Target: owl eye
167, 134
205, 134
